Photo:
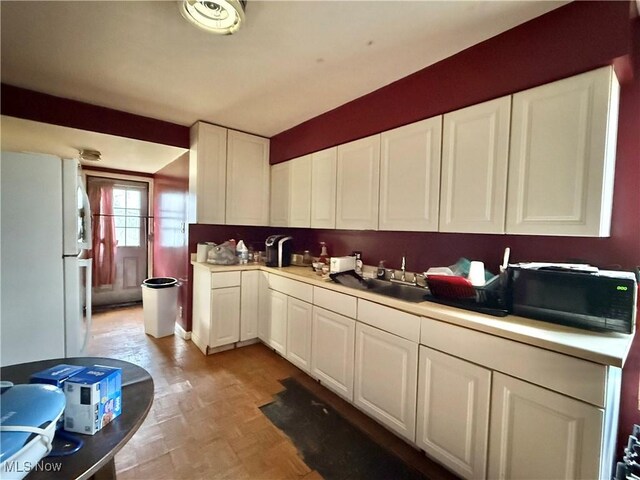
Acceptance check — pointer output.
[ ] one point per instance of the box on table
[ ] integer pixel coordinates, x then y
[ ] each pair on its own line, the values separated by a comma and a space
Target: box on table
94, 398
56, 375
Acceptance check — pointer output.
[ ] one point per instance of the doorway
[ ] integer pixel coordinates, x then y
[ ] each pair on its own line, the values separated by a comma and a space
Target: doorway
120, 211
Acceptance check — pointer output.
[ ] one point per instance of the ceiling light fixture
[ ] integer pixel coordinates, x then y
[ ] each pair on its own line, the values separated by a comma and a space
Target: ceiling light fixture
90, 155
223, 17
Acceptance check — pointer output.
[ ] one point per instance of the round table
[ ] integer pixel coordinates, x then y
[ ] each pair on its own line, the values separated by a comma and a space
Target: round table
96, 456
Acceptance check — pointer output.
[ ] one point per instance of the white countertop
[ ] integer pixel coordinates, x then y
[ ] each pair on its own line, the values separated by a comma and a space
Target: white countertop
605, 348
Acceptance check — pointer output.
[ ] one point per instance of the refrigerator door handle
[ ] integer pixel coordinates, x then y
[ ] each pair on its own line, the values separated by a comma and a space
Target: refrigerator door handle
85, 233
87, 263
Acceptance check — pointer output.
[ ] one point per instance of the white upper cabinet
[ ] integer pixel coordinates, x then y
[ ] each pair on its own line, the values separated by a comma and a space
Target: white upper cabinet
290, 204
562, 157
279, 205
410, 176
358, 174
323, 188
300, 192
207, 173
475, 151
247, 179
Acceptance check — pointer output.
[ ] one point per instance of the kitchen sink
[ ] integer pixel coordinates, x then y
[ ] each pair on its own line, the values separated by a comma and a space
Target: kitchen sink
407, 293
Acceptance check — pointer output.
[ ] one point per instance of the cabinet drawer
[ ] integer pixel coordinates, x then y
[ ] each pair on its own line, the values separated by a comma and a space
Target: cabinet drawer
572, 376
300, 290
225, 279
337, 302
390, 320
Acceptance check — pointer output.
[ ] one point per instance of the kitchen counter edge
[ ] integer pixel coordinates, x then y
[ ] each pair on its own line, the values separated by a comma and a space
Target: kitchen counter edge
608, 348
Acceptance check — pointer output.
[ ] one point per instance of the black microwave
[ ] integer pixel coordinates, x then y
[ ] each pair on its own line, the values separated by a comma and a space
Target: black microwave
595, 300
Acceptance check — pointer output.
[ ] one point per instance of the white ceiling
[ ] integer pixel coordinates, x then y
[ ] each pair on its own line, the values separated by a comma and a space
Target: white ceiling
292, 61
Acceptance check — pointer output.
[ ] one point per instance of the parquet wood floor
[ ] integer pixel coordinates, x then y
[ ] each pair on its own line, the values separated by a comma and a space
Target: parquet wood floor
205, 421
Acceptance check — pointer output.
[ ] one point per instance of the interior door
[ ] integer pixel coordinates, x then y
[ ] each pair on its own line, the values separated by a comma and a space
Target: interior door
130, 215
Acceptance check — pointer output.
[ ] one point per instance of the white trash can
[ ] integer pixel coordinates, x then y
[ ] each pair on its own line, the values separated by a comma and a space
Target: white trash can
160, 305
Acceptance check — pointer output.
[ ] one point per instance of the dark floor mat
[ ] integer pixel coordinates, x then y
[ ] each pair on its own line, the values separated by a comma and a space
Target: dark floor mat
330, 444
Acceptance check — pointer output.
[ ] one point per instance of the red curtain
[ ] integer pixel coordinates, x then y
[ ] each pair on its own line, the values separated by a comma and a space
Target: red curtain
104, 242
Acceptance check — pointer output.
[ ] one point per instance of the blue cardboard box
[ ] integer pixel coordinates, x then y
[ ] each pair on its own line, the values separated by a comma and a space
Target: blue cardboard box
94, 398
56, 375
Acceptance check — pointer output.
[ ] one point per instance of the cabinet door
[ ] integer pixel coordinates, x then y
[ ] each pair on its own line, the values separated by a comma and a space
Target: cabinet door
299, 333
207, 174
323, 188
249, 305
453, 412
475, 149
332, 351
410, 176
247, 179
278, 322
536, 433
386, 374
358, 184
225, 316
201, 310
563, 156
279, 206
264, 308
300, 192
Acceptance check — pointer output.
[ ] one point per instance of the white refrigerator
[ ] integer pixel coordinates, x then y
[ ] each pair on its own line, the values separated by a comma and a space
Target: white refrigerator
45, 284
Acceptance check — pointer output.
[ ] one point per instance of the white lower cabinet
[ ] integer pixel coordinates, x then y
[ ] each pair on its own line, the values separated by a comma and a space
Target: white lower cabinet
225, 316
536, 433
249, 305
386, 375
332, 351
450, 390
453, 412
277, 336
299, 316
264, 307
201, 308
216, 308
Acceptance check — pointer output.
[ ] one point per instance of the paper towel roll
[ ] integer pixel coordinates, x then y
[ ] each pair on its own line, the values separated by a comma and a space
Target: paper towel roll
201, 252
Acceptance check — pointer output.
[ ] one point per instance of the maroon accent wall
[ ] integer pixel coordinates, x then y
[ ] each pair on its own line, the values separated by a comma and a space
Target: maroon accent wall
40, 107
627, 224
170, 252
572, 39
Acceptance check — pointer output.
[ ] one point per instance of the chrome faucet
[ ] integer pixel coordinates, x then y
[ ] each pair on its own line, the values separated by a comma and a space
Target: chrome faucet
403, 274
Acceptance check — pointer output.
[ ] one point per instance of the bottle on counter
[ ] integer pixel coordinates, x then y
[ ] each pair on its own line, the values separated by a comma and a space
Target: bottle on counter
242, 252
324, 256
307, 259
359, 263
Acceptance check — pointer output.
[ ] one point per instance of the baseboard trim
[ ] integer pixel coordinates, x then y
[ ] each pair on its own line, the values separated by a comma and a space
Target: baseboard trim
181, 332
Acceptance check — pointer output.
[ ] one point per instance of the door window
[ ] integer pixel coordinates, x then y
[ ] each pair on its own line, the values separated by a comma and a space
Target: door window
127, 202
